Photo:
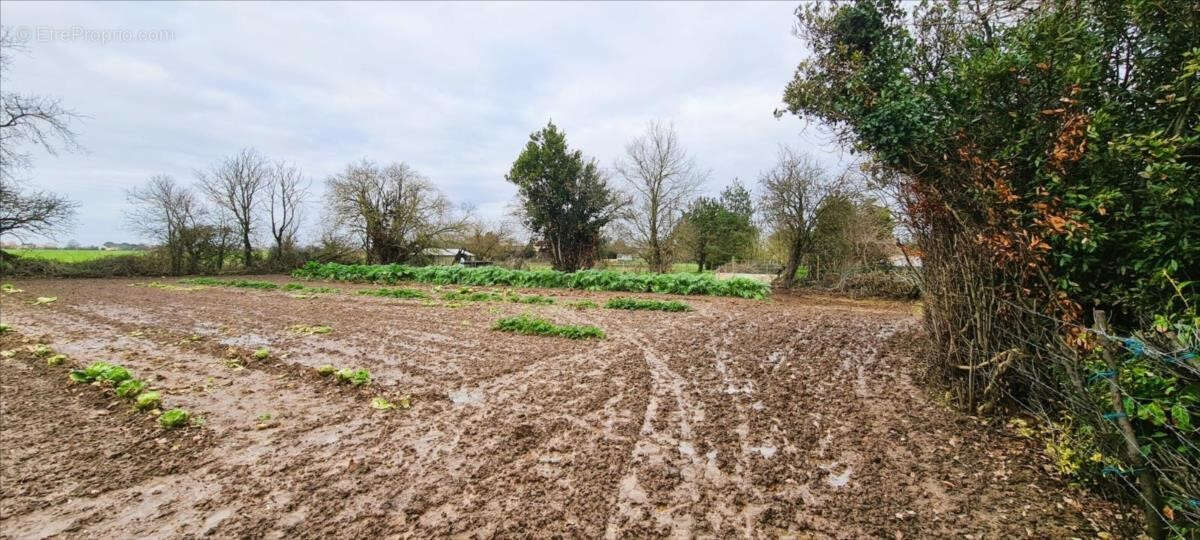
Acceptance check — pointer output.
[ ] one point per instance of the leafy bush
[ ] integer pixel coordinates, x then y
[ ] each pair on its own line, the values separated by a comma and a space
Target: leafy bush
537, 326
174, 418
490, 276
395, 293
646, 304
357, 377
147, 400
130, 388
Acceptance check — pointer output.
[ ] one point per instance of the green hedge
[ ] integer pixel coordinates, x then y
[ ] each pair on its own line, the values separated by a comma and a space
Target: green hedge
590, 280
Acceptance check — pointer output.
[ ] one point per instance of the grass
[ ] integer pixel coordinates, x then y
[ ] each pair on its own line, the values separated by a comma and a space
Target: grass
395, 293
537, 326
646, 304
70, 255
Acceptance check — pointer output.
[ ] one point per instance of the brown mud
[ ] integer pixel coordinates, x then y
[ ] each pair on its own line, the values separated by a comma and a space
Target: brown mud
796, 416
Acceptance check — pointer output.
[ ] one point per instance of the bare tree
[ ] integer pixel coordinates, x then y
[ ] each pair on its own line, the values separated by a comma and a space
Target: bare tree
393, 210
792, 193
234, 186
167, 211
662, 178
286, 192
488, 241
30, 120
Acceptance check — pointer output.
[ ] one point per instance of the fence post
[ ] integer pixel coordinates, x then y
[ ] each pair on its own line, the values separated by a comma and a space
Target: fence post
1146, 481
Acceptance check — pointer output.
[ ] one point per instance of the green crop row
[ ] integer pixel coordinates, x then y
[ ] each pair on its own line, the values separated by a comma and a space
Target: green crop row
537, 326
646, 304
126, 386
395, 293
489, 276
242, 283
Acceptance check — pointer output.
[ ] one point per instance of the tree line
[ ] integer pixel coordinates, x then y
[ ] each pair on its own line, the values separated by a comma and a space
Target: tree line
648, 202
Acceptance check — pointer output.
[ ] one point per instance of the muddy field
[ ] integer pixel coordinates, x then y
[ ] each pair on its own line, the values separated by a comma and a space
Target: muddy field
789, 417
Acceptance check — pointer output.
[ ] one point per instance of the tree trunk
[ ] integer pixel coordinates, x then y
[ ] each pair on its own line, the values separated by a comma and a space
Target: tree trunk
247, 250
788, 277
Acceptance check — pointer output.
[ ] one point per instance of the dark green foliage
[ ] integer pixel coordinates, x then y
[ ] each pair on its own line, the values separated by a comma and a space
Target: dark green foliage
646, 304
1048, 156
489, 276
395, 293
564, 198
717, 230
537, 326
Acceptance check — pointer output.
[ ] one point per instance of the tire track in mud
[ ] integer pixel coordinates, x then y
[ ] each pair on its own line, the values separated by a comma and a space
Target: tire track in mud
781, 418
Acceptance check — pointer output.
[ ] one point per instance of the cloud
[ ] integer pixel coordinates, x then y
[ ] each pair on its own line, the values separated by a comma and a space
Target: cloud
453, 89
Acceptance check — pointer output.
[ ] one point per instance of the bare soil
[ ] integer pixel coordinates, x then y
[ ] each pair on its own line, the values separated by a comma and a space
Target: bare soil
791, 417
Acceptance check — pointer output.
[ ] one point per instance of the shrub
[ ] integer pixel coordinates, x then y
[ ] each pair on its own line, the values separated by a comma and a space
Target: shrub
646, 304
490, 276
174, 418
537, 326
395, 293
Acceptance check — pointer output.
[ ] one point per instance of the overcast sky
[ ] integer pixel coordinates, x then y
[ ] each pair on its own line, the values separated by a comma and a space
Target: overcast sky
452, 89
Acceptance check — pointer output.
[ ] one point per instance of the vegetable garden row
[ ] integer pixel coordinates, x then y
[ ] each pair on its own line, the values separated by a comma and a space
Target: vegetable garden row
590, 280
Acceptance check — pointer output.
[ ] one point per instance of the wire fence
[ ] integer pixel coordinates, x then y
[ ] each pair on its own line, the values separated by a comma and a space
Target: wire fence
1128, 399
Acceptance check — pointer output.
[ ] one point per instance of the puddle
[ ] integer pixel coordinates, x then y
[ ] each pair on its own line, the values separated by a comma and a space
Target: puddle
464, 396
837, 480
252, 341
765, 451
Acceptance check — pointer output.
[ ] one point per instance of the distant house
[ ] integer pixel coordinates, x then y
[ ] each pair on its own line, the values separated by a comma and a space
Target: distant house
448, 255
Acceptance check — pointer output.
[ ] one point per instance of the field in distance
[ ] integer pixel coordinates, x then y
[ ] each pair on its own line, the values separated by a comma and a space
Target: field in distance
70, 255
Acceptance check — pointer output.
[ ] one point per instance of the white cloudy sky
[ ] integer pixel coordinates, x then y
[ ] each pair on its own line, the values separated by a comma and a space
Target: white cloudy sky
452, 89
